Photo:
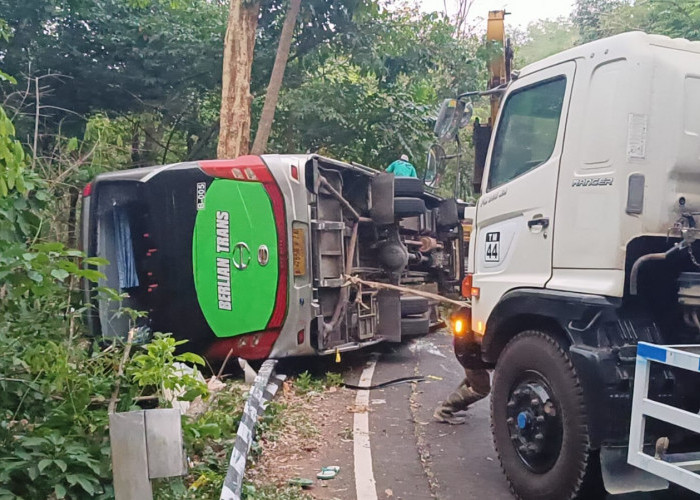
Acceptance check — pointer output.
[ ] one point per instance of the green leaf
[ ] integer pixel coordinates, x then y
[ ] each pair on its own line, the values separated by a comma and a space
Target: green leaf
50, 247
210, 429
190, 357
61, 465
91, 275
35, 276
7, 78
85, 483
60, 491
59, 274
43, 464
72, 145
96, 261
34, 441
69, 266
192, 394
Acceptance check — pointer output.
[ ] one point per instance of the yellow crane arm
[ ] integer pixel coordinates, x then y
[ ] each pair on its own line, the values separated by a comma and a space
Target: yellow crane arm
499, 65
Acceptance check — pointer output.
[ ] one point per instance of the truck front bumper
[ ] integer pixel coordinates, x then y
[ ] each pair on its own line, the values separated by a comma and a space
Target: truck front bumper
468, 351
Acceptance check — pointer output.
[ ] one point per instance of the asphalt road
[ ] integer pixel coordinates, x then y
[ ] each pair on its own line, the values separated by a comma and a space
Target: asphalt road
415, 457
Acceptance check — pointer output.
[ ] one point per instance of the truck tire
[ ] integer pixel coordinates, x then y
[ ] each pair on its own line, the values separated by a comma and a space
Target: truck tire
408, 186
415, 325
538, 419
408, 207
412, 304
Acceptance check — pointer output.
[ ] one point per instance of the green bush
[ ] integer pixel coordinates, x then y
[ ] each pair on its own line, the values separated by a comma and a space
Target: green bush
55, 385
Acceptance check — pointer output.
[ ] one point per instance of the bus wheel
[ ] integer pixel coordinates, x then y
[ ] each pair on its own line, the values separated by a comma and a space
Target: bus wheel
415, 325
408, 186
408, 207
412, 304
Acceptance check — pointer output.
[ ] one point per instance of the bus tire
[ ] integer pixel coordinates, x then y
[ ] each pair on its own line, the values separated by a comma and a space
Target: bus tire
408, 186
408, 207
415, 325
412, 304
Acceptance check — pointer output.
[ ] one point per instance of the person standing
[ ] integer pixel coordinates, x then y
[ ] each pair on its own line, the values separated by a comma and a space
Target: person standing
475, 387
402, 168
476, 384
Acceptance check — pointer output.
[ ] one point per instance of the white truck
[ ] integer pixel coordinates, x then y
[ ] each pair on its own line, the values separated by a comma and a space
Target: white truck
584, 246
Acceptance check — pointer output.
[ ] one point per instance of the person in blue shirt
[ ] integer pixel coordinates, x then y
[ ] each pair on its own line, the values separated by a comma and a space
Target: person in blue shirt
402, 168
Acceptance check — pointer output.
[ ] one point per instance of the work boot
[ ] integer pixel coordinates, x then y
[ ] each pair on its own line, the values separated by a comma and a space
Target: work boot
446, 415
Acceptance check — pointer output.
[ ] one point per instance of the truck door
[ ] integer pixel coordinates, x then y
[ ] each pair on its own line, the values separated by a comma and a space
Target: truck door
515, 214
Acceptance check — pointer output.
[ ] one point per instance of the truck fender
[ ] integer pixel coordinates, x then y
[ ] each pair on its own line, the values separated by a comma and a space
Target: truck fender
565, 313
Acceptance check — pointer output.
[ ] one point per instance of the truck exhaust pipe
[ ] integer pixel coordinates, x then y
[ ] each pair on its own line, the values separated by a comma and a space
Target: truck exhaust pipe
634, 274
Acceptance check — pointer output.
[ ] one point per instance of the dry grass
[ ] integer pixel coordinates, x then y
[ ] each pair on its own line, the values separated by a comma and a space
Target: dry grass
310, 429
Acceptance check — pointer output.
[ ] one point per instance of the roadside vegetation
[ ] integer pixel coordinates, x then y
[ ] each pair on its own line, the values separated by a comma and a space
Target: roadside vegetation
287, 420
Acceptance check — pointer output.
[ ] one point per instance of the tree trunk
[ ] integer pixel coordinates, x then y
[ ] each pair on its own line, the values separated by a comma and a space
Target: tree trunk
151, 139
239, 44
72, 236
273, 88
135, 145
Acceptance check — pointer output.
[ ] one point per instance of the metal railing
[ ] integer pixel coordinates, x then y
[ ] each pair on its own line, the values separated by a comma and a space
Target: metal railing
679, 468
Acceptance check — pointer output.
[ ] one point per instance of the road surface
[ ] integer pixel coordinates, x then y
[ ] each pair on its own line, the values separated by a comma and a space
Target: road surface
414, 457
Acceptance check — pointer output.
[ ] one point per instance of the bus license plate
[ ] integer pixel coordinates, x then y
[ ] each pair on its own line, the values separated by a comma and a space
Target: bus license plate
299, 251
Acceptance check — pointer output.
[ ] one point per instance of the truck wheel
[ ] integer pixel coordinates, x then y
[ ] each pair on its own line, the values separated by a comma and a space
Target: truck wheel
408, 207
412, 304
538, 419
415, 325
408, 186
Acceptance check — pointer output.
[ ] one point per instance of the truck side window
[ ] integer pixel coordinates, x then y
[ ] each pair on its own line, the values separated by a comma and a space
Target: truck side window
527, 130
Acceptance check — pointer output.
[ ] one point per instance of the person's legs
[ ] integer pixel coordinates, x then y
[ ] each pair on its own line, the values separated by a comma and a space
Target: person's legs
480, 384
475, 386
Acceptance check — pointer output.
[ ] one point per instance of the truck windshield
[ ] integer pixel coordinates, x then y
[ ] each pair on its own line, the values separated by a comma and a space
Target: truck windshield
527, 130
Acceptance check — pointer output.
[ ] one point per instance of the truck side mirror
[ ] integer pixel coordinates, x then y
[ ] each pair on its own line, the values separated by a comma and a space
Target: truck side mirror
449, 119
466, 115
434, 166
453, 115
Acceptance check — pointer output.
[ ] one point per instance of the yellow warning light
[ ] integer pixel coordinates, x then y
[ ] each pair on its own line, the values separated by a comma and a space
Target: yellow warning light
461, 322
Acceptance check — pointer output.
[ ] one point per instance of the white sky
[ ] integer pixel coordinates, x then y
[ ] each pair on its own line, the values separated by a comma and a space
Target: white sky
522, 12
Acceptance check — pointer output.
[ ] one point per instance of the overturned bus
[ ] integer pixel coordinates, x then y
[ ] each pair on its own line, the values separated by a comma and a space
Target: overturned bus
252, 256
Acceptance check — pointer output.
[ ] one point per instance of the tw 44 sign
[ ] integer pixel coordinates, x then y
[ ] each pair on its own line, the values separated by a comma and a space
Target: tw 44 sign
493, 247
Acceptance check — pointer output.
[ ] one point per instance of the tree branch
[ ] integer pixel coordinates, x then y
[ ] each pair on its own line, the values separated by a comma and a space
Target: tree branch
36, 121
113, 400
273, 89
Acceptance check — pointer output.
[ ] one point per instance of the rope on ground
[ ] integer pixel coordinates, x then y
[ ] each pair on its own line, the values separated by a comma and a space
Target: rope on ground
355, 280
264, 388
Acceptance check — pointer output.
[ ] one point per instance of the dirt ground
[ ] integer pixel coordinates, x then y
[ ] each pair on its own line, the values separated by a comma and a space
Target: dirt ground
316, 432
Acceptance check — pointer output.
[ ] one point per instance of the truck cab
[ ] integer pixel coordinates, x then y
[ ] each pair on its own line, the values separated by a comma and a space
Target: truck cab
584, 245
